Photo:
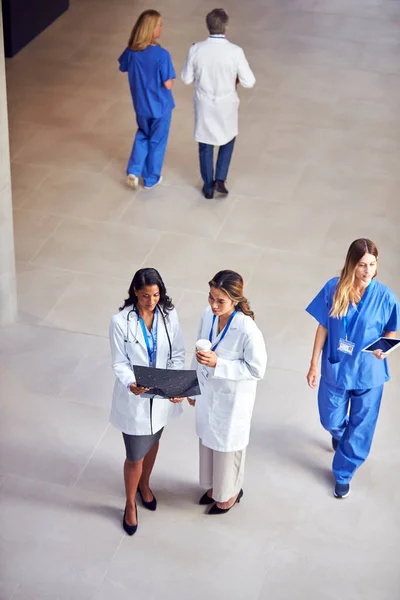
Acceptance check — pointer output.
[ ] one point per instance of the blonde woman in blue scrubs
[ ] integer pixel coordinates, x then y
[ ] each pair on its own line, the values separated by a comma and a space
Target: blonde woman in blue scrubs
151, 76
352, 312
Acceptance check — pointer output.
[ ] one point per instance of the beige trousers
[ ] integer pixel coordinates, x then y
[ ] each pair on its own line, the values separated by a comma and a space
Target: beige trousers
222, 471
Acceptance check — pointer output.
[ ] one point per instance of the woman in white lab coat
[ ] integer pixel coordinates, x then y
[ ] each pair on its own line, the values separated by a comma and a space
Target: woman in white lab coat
145, 332
216, 67
228, 375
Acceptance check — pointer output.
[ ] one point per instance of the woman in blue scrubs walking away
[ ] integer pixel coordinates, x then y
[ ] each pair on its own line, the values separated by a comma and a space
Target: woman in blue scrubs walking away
352, 310
151, 74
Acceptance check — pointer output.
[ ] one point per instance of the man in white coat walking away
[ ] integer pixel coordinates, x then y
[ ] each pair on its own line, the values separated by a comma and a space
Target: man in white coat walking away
216, 66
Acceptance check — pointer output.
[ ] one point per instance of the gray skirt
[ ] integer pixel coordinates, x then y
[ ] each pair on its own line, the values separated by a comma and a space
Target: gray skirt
137, 446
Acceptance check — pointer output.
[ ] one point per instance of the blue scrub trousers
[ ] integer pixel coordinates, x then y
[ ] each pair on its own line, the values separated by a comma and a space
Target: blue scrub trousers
206, 155
350, 416
147, 156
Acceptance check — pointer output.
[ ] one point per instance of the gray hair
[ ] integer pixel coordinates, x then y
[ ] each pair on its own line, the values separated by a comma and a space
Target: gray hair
216, 21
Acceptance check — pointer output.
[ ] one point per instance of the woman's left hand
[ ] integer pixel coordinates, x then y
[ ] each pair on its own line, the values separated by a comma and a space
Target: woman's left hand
208, 359
176, 400
379, 354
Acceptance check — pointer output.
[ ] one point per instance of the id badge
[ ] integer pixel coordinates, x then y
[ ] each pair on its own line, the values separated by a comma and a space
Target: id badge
204, 372
170, 364
346, 346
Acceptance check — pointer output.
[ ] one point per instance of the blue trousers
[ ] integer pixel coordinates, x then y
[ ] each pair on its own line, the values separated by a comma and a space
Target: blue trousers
149, 146
206, 155
350, 416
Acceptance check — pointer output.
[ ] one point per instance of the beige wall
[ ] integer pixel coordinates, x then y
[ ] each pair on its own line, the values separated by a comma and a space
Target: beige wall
8, 294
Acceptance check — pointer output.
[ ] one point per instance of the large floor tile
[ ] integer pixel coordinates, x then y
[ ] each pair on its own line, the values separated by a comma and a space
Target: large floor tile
38, 359
26, 179
8, 589
98, 248
338, 187
103, 473
47, 430
79, 151
39, 290
82, 195
31, 232
64, 539
179, 209
78, 309
26, 72
287, 221
20, 134
92, 380
189, 262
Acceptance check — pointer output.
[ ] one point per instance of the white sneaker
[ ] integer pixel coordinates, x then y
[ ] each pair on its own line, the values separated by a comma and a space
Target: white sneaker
132, 181
153, 186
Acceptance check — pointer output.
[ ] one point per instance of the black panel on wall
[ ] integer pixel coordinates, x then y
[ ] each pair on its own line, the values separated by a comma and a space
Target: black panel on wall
23, 20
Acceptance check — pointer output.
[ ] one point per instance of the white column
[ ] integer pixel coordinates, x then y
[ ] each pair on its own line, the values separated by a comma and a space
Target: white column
8, 291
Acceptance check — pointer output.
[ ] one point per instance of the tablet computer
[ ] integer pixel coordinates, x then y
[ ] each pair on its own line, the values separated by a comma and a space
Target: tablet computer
387, 345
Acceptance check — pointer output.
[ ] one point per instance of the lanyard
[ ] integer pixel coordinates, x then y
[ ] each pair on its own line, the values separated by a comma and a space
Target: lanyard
224, 332
356, 312
151, 347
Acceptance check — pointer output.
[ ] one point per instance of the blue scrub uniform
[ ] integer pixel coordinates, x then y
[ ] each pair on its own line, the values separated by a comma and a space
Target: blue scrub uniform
153, 103
351, 386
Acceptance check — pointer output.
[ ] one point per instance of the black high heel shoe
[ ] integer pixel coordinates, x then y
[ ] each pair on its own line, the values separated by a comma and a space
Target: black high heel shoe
130, 529
206, 499
215, 510
152, 505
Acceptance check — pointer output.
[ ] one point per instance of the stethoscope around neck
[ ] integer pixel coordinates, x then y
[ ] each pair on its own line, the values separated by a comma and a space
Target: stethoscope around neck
128, 320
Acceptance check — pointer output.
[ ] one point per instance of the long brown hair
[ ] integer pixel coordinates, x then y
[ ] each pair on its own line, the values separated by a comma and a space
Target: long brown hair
345, 292
143, 30
232, 284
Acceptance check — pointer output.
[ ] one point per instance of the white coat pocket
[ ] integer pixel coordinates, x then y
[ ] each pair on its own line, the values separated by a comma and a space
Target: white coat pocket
228, 354
131, 350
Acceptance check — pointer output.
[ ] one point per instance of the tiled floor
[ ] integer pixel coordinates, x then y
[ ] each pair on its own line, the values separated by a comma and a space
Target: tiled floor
316, 165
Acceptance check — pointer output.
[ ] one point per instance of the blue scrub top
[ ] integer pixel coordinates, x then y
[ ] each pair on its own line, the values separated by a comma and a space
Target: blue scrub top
147, 71
380, 312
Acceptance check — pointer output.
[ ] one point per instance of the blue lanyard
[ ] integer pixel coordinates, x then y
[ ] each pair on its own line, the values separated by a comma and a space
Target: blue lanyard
224, 332
356, 312
151, 346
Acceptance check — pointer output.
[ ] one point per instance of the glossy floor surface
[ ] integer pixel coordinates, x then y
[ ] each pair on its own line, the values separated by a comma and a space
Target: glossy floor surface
316, 165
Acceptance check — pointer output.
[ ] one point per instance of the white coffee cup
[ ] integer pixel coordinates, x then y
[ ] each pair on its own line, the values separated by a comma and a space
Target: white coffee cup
203, 345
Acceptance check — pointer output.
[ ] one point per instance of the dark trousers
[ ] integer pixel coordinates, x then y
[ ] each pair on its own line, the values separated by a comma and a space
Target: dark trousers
206, 155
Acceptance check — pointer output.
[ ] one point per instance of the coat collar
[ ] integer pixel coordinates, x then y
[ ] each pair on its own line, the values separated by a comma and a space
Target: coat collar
235, 322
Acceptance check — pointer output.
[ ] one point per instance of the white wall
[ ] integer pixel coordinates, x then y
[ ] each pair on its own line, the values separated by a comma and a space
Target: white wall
8, 294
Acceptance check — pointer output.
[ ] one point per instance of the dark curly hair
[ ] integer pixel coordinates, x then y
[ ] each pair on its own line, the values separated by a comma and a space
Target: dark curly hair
145, 277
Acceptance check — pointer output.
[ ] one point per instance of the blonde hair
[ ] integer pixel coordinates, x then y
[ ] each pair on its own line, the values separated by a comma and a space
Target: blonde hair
142, 34
232, 284
345, 292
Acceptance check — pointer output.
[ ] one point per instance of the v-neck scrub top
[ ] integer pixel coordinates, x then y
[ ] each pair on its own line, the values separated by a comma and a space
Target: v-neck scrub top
379, 312
148, 70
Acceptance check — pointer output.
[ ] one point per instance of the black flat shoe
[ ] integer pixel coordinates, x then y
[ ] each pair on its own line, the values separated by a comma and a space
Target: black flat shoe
215, 510
152, 505
208, 194
130, 529
219, 186
205, 499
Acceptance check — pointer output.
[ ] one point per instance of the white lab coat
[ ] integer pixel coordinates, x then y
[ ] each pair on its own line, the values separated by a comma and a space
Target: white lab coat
225, 407
213, 66
129, 413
